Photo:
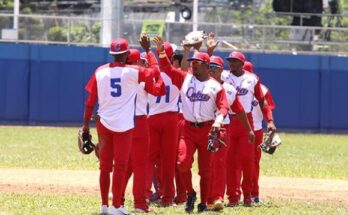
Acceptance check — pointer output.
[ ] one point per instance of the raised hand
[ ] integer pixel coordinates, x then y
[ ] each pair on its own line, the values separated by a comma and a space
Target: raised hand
144, 41
159, 43
212, 42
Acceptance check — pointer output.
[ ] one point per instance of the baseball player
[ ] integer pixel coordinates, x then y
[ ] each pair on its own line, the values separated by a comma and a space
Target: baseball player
257, 121
164, 132
218, 183
241, 153
140, 145
201, 97
114, 86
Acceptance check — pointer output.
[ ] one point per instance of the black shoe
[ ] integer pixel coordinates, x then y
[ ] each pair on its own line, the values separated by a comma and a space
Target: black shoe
190, 202
202, 207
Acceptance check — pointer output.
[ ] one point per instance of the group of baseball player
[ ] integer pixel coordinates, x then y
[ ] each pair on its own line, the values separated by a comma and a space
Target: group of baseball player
156, 109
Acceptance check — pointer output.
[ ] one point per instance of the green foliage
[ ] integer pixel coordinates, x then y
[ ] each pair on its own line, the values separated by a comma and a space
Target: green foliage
81, 33
6, 4
57, 34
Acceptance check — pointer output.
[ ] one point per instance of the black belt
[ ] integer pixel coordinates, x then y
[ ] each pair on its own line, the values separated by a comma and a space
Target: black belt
201, 124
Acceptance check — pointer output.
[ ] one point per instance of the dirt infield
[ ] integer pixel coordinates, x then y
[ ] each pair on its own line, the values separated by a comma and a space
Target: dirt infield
60, 182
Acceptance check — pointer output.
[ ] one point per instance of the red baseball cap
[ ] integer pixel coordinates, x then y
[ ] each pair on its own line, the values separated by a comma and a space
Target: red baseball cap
217, 60
133, 56
143, 56
200, 56
236, 55
248, 66
168, 49
118, 46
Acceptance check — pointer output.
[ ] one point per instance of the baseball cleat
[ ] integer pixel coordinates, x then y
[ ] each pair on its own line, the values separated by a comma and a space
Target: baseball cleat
190, 202
256, 200
118, 211
218, 205
104, 209
201, 207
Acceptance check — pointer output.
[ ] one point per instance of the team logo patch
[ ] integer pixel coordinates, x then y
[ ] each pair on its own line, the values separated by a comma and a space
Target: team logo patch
255, 103
117, 47
196, 96
242, 91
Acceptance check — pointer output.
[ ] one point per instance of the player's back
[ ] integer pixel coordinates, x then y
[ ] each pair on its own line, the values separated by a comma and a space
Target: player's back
117, 88
166, 103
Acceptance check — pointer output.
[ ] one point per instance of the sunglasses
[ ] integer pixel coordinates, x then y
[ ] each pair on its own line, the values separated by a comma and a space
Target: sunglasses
196, 63
214, 66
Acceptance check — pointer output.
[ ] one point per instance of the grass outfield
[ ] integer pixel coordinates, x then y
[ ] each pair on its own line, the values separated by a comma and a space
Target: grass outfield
52, 204
301, 155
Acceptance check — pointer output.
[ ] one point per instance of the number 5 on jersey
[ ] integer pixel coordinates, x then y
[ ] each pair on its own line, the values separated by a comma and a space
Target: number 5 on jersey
115, 84
158, 100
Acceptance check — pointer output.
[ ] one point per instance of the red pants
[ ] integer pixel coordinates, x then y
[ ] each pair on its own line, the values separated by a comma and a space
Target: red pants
163, 146
240, 160
139, 160
258, 141
218, 182
114, 152
180, 186
195, 138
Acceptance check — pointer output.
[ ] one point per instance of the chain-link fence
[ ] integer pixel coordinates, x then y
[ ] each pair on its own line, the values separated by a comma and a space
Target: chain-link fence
87, 31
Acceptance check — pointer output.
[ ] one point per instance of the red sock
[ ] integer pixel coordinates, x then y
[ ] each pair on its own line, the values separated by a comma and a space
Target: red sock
104, 183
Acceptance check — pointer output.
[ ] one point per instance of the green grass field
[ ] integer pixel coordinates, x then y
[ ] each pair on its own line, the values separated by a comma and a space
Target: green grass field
301, 155
67, 204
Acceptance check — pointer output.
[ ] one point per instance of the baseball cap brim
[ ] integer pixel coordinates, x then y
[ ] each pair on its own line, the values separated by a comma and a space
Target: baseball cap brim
230, 58
195, 59
120, 52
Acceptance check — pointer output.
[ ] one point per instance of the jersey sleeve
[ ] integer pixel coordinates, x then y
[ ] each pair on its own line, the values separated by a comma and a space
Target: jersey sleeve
270, 100
221, 102
258, 91
92, 97
176, 75
155, 86
236, 106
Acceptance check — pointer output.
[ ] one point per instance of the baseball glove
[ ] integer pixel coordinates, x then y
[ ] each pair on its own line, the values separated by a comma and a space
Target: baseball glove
270, 142
194, 37
85, 142
216, 139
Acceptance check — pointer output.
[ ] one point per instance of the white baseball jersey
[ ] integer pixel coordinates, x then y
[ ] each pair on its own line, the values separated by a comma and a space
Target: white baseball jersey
245, 86
117, 89
199, 98
231, 94
257, 113
141, 101
166, 103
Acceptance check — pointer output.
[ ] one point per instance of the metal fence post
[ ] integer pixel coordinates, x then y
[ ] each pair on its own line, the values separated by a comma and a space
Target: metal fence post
69, 32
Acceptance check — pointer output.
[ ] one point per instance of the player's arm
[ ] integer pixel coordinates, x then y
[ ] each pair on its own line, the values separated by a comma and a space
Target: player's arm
91, 100
184, 64
222, 106
237, 108
265, 108
176, 75
156, 85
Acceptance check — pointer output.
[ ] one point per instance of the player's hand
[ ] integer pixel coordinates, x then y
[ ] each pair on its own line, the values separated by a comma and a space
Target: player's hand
144, 41
187, 47
159, 43
212, 42
197, 46
251, 137
271, 127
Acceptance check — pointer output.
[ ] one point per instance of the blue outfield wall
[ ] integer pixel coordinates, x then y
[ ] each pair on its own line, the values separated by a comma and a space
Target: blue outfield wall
45, 84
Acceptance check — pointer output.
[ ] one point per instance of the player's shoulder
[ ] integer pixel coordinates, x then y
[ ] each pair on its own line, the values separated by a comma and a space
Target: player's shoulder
214, 84
252, 76
229, 87
102, 67
264, 89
